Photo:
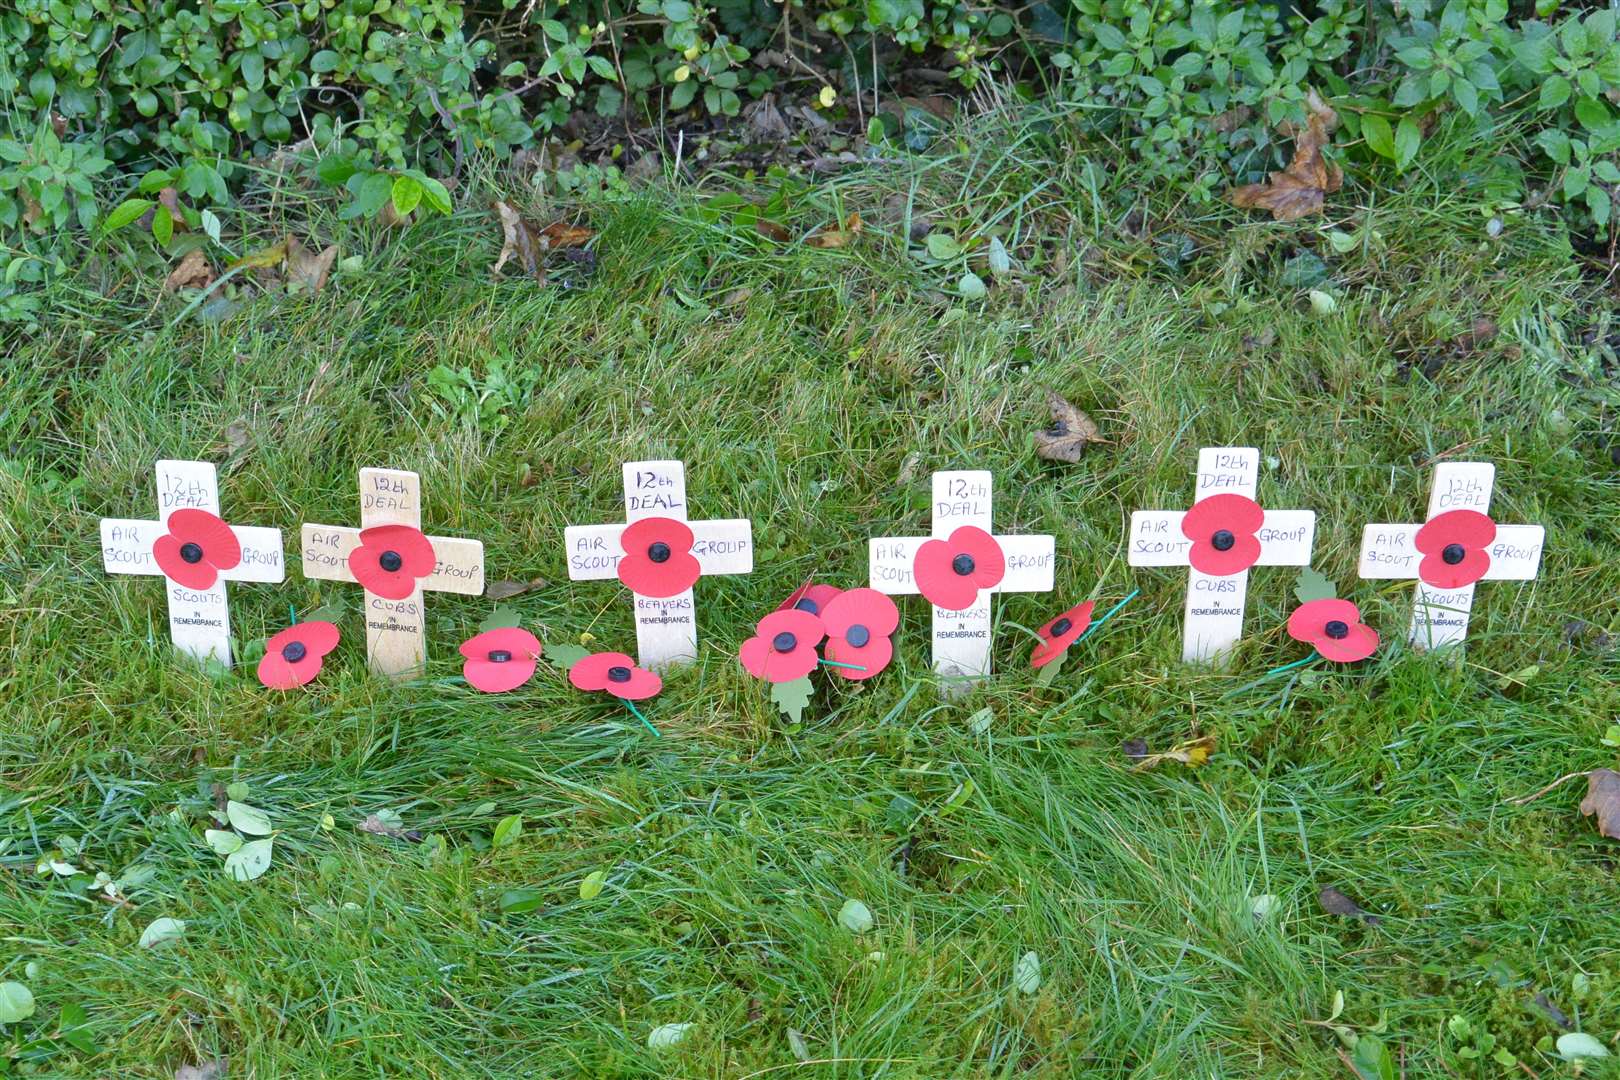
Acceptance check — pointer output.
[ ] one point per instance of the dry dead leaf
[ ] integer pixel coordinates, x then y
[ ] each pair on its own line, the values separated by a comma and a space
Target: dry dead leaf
236, 434
528, 242
772, 230
1193, 753
836, 238
1335, 902
306, 269
765, 120
194, 272
1603, 799
203, 1070
1071, 431
505, 590
1299, 189
378, 827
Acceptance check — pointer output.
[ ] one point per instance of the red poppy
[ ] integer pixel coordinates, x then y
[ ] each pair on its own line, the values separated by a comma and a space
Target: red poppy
783, 647
951, 572
1060, 633
1335, 628
196, 548
294, 656
500, 660
617, 674
811, 598
391, 559
858, 625
1222, 529
658, 559
1453, 546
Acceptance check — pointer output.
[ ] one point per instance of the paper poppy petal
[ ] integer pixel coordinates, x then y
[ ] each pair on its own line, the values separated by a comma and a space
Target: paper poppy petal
1470, 528
812, 598
278, 673
643, 684
414, 549
1055, 645
317, 636
514, 639
807, 628
1244, 553
497, 678
638, 536
671, 577
1229, 510
388, 584
209, 532
1308, 622
873, 657
591, 672
861, 607
762, 661
1434, 570
989, 561
197, 575
1360, 643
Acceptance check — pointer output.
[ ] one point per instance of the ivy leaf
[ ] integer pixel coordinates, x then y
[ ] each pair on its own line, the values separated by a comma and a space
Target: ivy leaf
565, 655
792, 697
501, 618
1312, 584
250, 860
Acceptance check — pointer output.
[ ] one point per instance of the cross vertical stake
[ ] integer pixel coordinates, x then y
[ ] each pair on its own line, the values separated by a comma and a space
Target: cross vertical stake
395, 557
199, 617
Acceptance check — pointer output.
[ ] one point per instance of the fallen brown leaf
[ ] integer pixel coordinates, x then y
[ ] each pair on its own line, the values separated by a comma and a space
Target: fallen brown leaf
1299, 189
1192, 753
772, 230
194, 272
236, 434
1071, 431
378, 827
505, 590
1603, 799
836, 238
204, 1070
1335, 902
529, 242
307, 269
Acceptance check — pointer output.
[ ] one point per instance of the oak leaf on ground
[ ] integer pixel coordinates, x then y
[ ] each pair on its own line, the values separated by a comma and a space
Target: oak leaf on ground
1300, 188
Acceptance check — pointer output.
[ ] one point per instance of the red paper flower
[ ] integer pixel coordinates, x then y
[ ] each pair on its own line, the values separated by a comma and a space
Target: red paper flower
811, 598
951, 572
858, 625
1453, 546
658, 559
617, 674
1222, 529
391, 559
500, 660
1060, 633
196, 548
294, 656
1335, 628
783, 647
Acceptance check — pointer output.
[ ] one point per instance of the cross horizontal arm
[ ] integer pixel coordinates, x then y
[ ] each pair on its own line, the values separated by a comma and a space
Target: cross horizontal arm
1030, 563
126, 548
459, 569
724, 546
1390, 551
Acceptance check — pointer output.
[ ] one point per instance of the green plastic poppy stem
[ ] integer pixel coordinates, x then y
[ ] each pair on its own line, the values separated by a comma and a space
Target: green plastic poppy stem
1109, 614
637, 713
292, 615
840, 663
1289, 667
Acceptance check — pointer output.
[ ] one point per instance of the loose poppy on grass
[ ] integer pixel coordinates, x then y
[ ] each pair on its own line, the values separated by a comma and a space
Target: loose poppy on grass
1222, 529
1063, 631
951, 572
1453, 546
810, 597
293, 657
391, 559
1335, 629
658, 559
501, 659
196, 548
783, 647
615, 673
858, 625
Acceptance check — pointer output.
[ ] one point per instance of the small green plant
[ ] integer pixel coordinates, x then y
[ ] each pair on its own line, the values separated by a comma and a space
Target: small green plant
484, 404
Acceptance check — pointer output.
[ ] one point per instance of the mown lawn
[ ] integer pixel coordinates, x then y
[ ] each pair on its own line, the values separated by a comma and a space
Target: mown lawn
813, 391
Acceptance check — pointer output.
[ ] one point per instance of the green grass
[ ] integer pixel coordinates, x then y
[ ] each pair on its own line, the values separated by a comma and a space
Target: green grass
797, 385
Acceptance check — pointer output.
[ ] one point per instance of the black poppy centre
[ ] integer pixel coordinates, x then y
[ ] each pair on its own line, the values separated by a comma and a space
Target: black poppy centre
659, 552
1222, 540
191, 552
619, 673
1452, 554
294, 651
1061, 627
1337, 629
784, 642
499, 656
857, 635
963, 565
390, 561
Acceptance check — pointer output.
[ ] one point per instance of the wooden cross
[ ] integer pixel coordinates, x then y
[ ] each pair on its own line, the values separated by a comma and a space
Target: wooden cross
395, 641
199, 618
666, 626
1215, 602
1440, 615
962, 637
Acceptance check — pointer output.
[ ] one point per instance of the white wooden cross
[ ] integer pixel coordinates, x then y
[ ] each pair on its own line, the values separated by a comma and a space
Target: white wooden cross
395, 639
1215, 603
199, 619
666, 627
962, 638
1440, 616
